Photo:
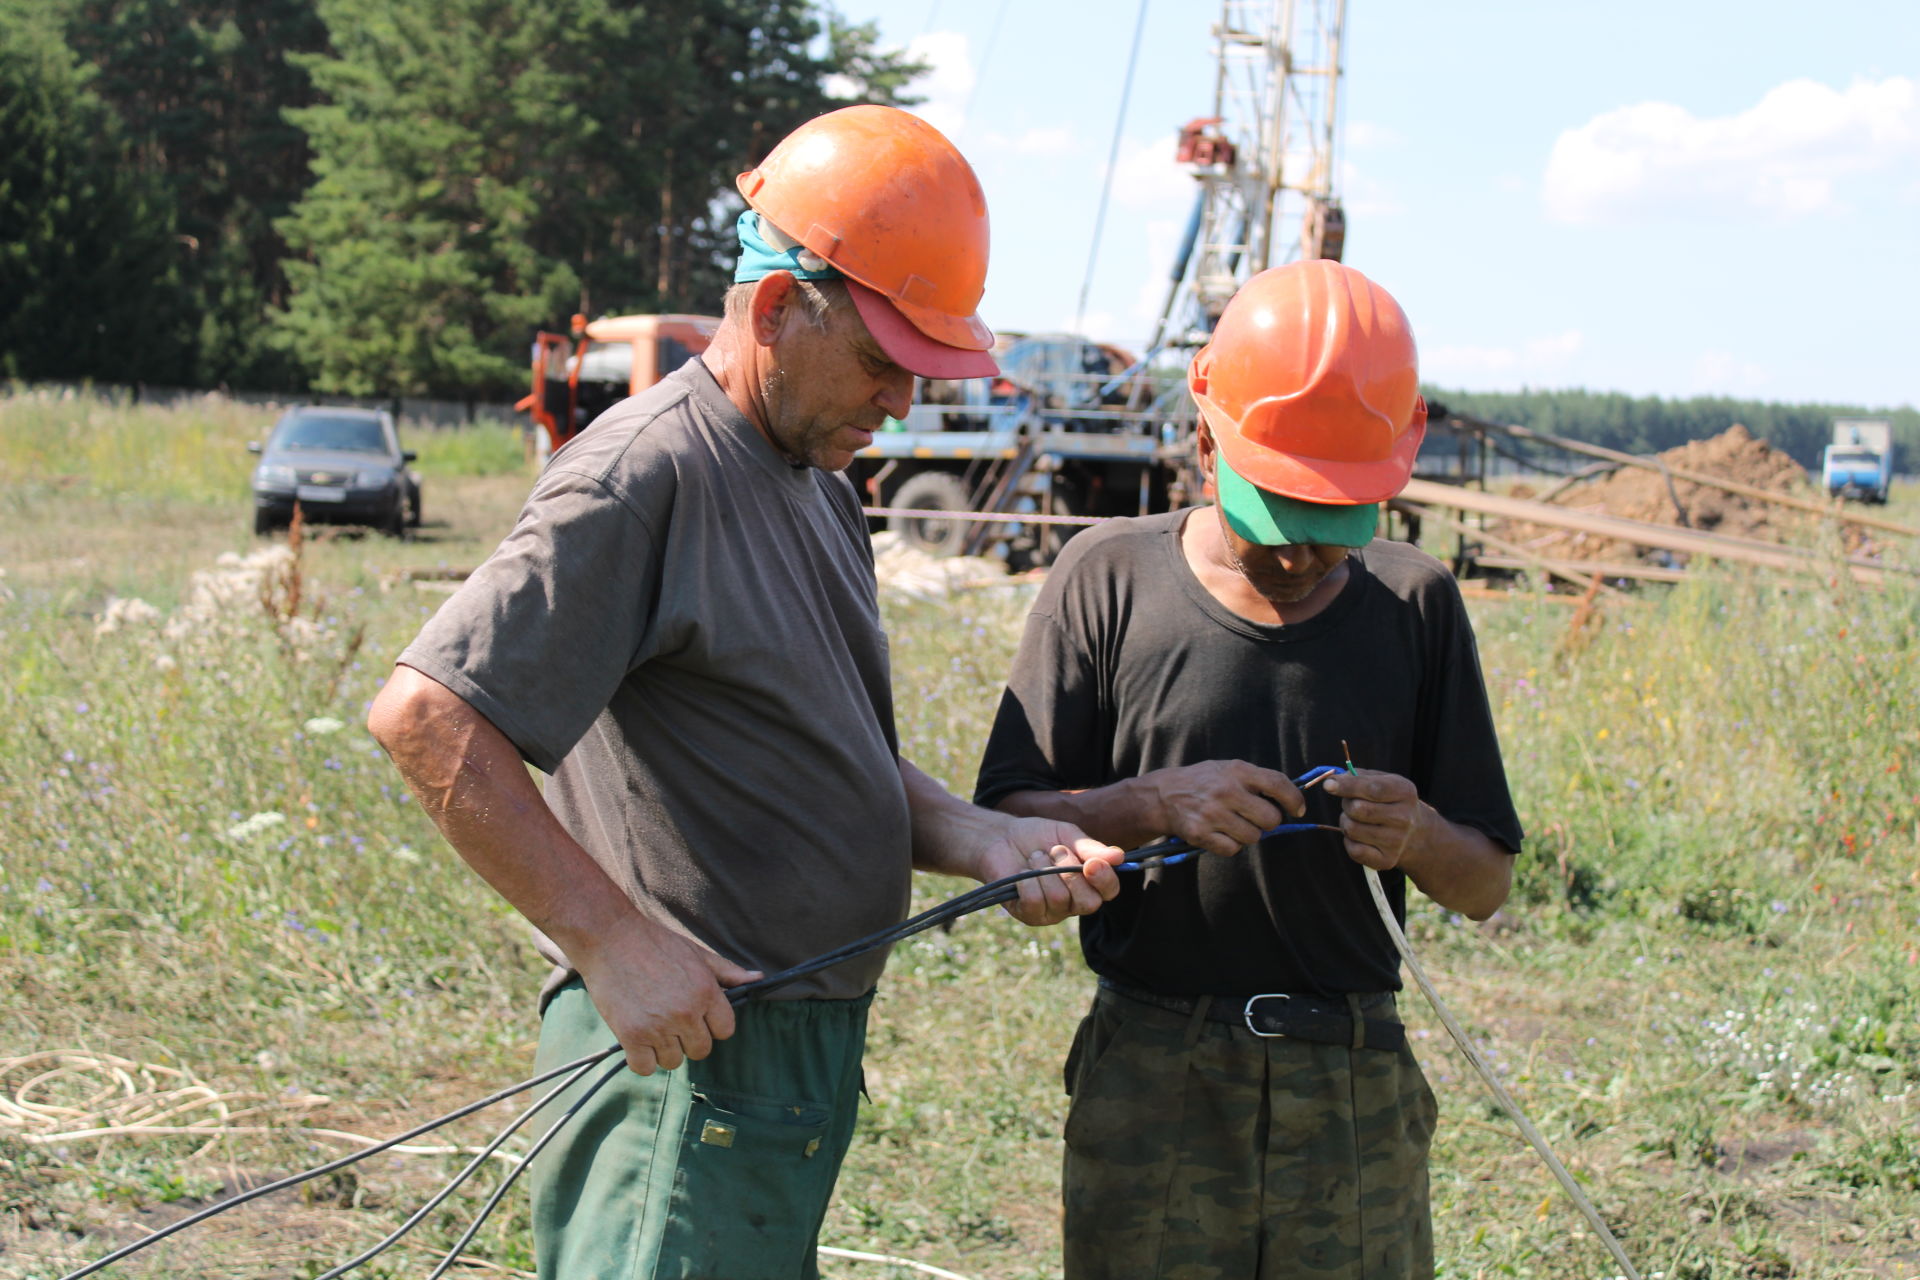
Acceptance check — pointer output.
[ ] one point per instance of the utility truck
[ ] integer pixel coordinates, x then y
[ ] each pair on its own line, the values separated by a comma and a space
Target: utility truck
579, 374
1858, 465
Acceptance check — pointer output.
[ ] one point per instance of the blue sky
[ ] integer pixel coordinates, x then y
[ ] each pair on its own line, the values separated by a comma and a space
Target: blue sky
1665, 199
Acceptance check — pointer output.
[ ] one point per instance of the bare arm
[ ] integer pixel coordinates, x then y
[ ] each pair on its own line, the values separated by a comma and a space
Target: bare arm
1388, 825
1217, 805
956, 838
660, 993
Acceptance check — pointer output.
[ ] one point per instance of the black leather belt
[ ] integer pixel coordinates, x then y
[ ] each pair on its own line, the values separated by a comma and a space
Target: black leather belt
1273, 1013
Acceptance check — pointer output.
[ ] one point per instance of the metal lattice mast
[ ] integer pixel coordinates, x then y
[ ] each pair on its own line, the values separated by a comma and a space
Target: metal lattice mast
1264, 160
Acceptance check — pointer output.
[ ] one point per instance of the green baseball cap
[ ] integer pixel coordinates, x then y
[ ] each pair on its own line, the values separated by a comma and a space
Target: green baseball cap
1275, 520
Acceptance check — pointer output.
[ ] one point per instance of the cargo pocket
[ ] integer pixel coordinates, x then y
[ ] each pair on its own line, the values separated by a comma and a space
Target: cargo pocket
1126, 1071
751, 1188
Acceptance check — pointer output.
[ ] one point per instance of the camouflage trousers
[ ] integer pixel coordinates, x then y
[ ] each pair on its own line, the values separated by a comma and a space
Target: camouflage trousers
1199, 1151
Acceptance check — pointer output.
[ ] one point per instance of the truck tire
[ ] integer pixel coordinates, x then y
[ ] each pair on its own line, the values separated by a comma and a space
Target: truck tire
931, 491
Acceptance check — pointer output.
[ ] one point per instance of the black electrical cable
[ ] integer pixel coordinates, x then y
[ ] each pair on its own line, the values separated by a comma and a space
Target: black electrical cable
486, 1210
1006, 889
458, 1179
295, 1180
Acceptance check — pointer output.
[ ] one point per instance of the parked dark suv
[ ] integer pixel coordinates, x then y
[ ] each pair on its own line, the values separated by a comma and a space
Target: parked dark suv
343, 466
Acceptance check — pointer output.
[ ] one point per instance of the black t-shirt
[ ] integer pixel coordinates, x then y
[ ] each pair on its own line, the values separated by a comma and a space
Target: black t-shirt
1129, 665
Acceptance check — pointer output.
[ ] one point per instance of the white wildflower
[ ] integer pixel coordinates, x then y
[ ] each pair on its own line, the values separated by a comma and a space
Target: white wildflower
125, 611
321, 726
253, 826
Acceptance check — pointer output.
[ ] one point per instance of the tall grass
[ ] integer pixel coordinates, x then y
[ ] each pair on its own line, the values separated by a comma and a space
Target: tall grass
193, 450
1706, 989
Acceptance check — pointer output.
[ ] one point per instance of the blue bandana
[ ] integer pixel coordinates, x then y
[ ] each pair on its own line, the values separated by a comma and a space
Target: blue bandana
758, 259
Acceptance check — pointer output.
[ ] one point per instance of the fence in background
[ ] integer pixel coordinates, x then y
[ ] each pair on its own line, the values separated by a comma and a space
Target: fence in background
411, 412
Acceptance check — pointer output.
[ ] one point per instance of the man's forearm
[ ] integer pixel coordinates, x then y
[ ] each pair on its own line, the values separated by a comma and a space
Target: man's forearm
1460, 867
947, 831
1126, 813
471, 781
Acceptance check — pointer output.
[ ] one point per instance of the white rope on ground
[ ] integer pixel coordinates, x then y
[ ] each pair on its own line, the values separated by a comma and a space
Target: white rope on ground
1499, 1091
121, 1098
925, 1268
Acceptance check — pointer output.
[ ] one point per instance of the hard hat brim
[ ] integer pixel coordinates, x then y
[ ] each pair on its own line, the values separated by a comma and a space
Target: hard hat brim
911, 349
1331, 480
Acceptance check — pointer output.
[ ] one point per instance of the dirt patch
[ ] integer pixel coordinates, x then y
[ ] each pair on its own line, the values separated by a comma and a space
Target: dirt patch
1666, 499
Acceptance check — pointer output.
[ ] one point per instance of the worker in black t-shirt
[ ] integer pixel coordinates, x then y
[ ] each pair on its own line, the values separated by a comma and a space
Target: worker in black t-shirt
1244, 1101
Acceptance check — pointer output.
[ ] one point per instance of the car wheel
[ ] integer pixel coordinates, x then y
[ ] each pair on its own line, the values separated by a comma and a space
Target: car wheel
413, 506
931, 491
263, 522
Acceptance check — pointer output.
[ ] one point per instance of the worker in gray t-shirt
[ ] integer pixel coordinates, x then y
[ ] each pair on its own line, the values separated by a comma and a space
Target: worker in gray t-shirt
683, 631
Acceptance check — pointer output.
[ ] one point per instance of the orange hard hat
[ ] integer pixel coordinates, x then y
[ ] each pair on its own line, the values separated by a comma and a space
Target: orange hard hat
1311, 385
891, 204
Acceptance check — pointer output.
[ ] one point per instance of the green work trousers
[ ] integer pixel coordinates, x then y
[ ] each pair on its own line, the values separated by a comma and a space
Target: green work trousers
718, 1170
1196, 1150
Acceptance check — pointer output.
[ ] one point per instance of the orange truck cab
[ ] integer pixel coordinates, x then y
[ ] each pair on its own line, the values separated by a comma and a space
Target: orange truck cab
577, 376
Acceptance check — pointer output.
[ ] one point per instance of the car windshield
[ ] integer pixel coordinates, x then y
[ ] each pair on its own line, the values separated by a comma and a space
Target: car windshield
340, 434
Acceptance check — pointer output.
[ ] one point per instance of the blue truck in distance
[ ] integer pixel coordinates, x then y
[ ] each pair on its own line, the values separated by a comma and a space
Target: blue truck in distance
1858, 465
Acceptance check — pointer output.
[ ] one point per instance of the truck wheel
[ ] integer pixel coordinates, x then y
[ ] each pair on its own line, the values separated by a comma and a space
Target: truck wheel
263, 523
931, 491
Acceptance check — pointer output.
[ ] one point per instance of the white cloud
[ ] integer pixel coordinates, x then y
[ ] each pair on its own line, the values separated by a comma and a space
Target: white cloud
1531, 361
1786, 156
1364, 135
1363, 197
1148, 177
1723, 373
948, 84
1045, 142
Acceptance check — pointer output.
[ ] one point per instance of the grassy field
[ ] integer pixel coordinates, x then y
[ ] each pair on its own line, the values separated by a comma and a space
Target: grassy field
219, 909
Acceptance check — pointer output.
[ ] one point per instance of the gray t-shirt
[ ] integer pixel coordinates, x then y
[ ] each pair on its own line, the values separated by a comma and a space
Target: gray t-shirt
685, 632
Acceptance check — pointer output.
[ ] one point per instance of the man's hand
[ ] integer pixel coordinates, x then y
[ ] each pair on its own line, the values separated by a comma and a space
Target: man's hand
1027, 844
1222, 806
663, 995
1381, 815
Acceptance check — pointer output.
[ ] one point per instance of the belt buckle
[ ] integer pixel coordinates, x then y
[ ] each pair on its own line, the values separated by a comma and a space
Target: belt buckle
1246, 1014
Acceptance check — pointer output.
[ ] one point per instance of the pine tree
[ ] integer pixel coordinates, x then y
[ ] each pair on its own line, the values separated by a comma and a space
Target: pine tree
675, 103
440, 128
202, 87
88, 260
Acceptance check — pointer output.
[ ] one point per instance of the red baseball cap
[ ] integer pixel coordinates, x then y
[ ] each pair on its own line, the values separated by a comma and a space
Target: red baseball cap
911, 349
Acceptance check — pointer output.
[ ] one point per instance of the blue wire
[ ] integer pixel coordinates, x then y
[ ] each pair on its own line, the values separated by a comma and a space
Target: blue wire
1169, 852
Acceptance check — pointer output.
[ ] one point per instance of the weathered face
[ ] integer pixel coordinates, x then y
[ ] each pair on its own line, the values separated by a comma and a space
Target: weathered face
1283, 575
829, 389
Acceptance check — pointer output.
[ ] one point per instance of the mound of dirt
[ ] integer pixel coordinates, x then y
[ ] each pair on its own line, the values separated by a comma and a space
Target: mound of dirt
1657, 498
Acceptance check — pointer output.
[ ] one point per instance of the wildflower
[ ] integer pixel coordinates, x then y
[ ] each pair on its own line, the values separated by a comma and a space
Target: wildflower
320, 726
253, 826
124, 612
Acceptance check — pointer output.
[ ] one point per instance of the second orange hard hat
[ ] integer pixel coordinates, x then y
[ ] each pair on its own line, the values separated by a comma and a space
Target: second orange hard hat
1311, 385
887, 200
